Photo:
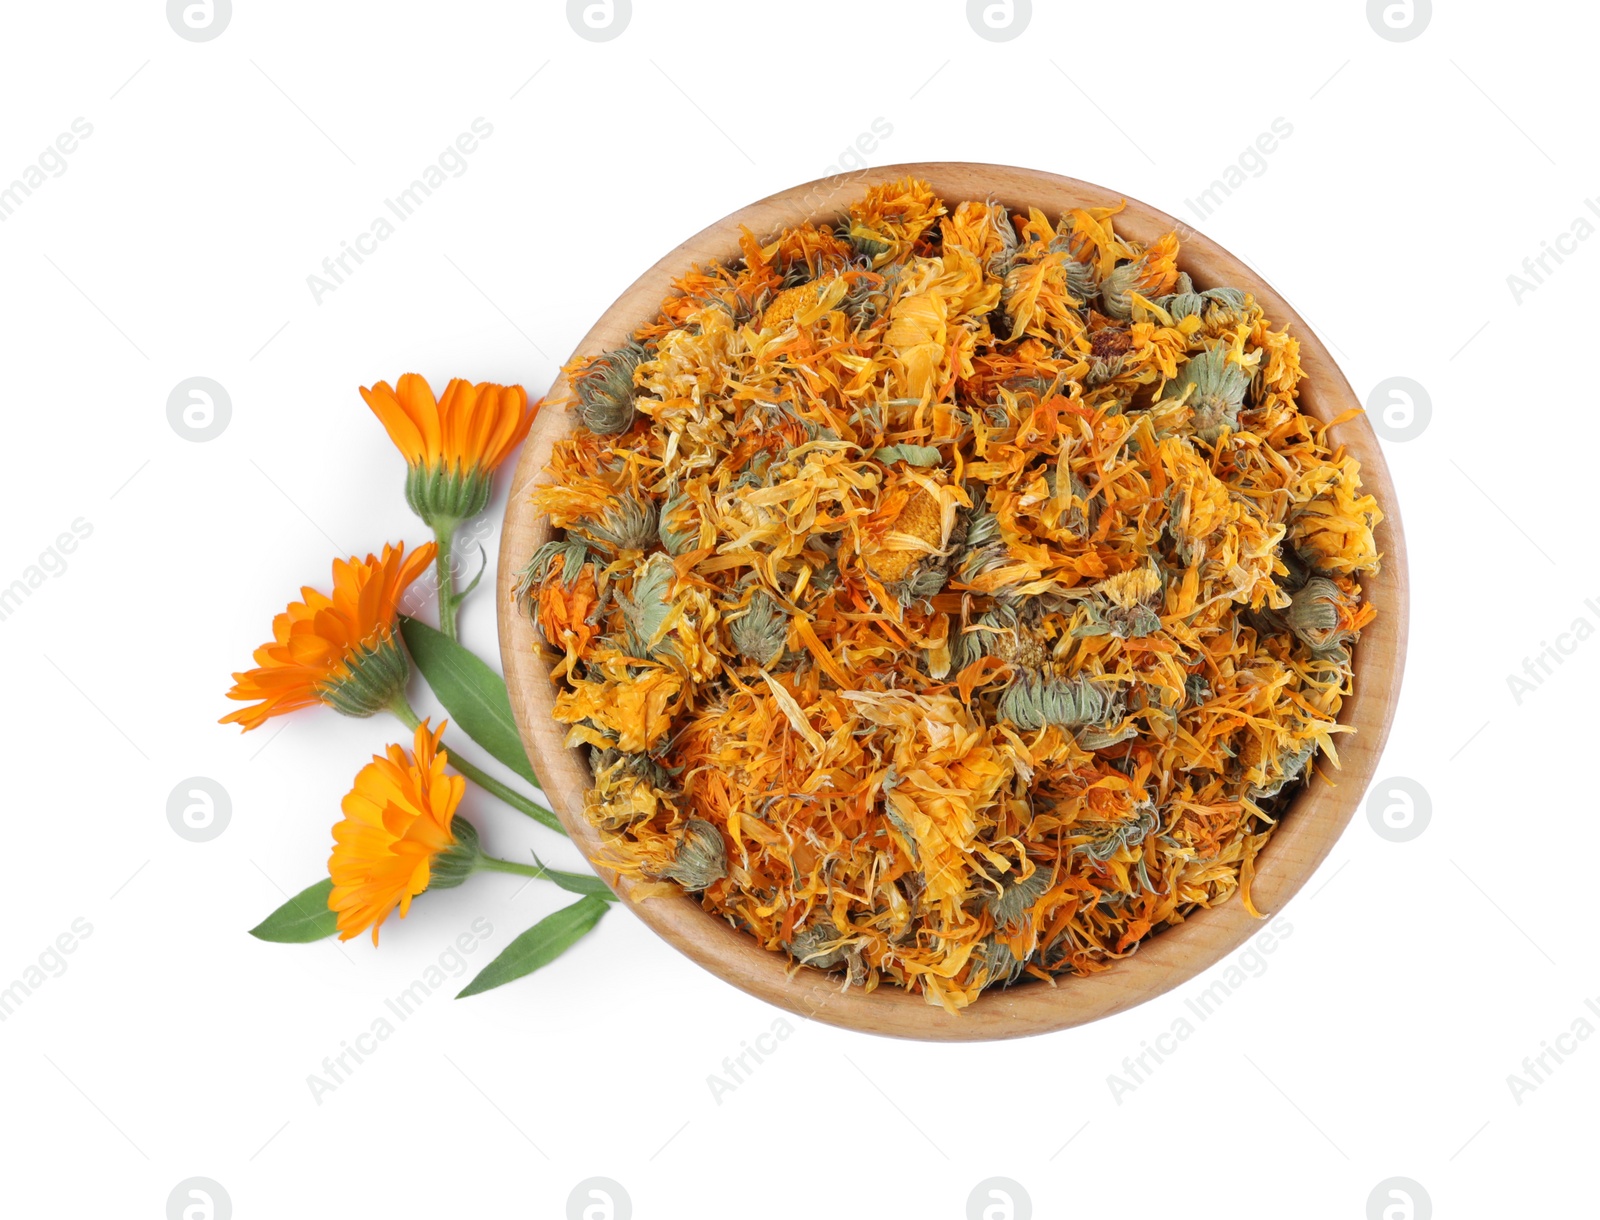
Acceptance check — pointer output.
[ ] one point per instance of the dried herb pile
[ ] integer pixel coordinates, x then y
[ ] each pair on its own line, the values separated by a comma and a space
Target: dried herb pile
950, 594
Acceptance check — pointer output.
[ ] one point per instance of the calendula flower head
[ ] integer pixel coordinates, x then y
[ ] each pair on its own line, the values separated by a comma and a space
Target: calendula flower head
399, 836
340, 648
452, 445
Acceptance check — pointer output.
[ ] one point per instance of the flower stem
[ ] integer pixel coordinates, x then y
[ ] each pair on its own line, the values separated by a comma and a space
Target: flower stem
577, 883
444, 533
494, 864
522, 804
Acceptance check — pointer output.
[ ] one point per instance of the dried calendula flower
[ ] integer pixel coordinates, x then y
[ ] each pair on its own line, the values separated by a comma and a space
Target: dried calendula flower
1213, 386
627, 788
949, 594
1070, 703
604, 389
626, 524
1325, 615
818, 944
1126, 606
700, 859
1151, 274
759, 632
1011, 900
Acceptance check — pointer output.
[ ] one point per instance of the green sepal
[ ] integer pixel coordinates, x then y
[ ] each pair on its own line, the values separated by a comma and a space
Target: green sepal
458, 861
375, 674
441, 494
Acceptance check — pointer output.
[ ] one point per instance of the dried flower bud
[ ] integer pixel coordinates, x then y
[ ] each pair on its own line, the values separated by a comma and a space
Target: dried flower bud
1184, 301
761, 631
867, 298
1229, 298
1124, 605
627, 788
1322, 614
983, 550
573, 553
1073, 703
646, 611
921, 585
999, 263
605, 390
818, 944
1215, 388
868, 243
627, 524
1082, 282
1290, 766
1011, 902
994, 964
1116, 291
1102, 371
679, 526
1122, 835
701, 859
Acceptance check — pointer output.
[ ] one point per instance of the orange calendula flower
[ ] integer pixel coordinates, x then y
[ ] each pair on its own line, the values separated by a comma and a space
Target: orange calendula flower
340, 649
399, 835
453, 444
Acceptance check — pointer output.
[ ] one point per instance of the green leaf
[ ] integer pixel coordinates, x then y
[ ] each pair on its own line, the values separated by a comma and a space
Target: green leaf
577, 883
916, 455
301, 920
539, 945
472, 693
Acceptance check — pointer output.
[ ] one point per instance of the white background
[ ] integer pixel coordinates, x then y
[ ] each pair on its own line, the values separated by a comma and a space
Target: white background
178, 242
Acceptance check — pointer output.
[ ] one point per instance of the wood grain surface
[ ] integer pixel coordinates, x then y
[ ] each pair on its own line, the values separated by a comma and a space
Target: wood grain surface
1305, 835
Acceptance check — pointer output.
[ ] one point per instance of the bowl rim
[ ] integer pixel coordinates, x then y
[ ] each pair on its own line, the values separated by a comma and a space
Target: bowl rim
1308, 828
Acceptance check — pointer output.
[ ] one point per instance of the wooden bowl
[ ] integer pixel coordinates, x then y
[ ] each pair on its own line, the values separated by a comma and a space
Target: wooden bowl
1304, 836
